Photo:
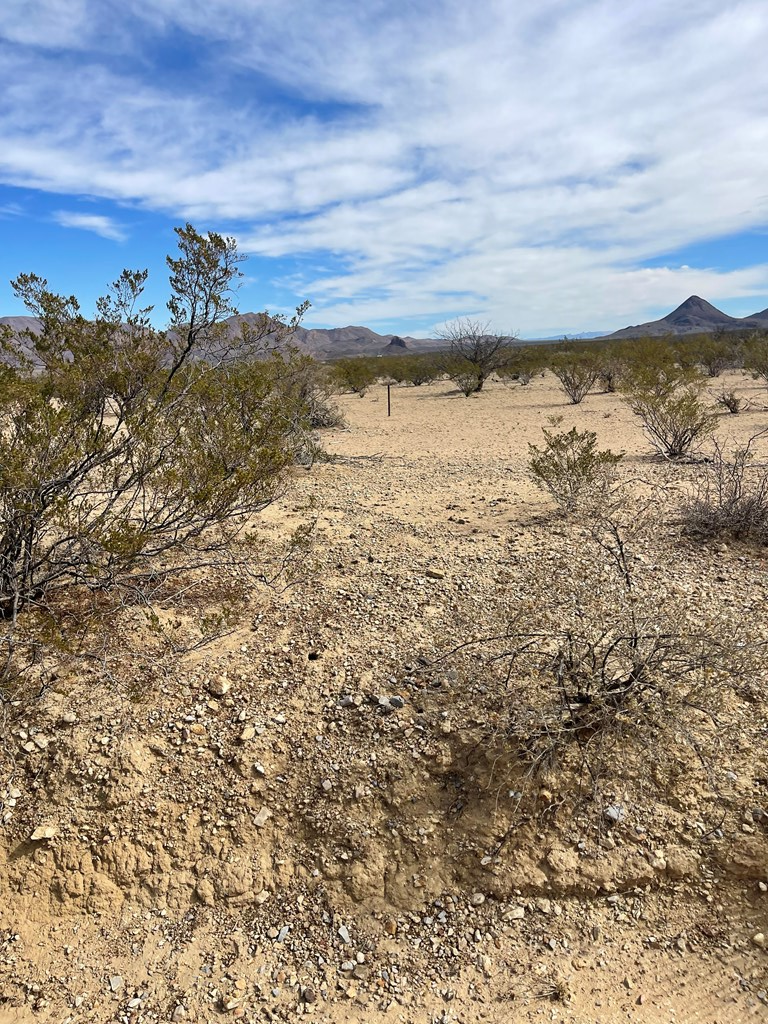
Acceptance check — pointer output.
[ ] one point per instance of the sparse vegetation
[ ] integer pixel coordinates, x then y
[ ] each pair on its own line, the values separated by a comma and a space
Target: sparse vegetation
597, 681
454, 698
730, 401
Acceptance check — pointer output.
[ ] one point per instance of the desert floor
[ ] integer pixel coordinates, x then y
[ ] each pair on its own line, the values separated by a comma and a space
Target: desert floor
308, 817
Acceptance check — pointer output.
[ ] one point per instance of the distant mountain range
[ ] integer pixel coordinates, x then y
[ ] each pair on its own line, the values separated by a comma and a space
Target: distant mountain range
694, 316
334, 343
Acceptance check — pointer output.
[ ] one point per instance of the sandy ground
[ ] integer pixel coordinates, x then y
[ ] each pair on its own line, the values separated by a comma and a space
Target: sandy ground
294, 820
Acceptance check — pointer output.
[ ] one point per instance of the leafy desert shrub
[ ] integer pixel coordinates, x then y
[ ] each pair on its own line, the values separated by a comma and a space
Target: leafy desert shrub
414, 369
756, 356
464, 375
609, 370
669, 403
647, 355
523, 364
717, 354
354, 375
731, 499
314, 390
421, 369
570, 467
128, 454
577, 373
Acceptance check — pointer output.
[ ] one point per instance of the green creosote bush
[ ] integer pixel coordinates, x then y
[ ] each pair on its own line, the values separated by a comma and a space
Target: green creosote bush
571, 467
414, 369
717, 354
609, 371
129, 454
464, 375
354, 375
577, 373
669, 403
421, 369
523, 364
315, 390
756, 356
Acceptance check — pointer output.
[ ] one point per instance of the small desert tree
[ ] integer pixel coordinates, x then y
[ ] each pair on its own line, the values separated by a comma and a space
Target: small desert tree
474, 352
128, 452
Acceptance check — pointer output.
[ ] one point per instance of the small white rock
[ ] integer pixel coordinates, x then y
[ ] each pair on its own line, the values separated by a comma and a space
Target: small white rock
262, 817
44, 832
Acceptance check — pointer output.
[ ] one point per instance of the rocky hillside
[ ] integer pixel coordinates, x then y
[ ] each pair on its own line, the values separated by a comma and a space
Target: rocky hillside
694, 316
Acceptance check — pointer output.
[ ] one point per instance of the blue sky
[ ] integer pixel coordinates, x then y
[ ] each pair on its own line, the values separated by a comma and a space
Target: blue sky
551, 166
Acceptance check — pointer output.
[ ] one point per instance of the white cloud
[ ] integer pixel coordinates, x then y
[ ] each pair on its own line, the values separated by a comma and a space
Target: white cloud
97, 223
519, 158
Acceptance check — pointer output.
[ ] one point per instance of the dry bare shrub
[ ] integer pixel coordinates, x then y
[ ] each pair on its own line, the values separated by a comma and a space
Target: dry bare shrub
731, 499
730, 401
605, 681
571, 467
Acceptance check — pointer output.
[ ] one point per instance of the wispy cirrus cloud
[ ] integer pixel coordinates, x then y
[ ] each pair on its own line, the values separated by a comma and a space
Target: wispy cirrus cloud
526, 159
100, 225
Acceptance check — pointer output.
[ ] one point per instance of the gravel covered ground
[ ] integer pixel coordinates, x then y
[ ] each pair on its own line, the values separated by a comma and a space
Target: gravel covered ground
322, 813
